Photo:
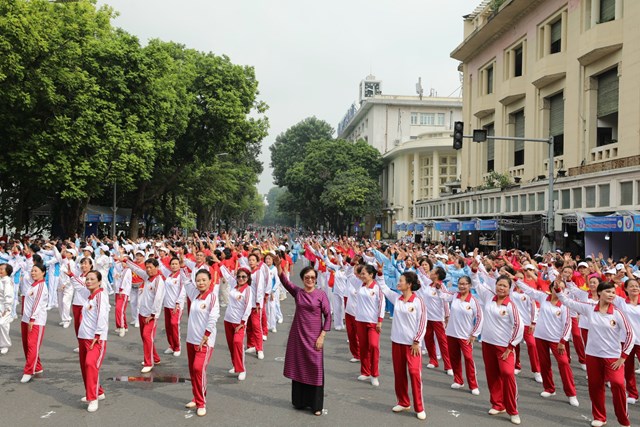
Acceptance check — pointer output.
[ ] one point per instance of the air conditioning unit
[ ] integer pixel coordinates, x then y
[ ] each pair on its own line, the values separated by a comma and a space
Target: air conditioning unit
396, 142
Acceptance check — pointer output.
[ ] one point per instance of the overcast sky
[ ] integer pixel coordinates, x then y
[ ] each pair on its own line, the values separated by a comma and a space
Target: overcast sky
309, 57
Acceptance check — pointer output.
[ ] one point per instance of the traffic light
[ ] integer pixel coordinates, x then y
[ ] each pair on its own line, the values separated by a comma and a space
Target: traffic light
458, 132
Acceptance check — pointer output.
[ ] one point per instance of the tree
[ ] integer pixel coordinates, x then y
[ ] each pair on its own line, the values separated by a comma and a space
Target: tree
274, 214
290, 146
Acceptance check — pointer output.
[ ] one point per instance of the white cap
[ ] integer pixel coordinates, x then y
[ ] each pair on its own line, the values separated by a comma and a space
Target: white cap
140, 252
529, 267
636, 274
610, 271
105, 248
162, 248
72, 252
87, 248
282, 248
583, 264
619, 266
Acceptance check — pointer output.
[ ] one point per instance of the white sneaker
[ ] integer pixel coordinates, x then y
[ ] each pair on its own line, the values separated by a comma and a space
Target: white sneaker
456, 386
201, 412
450, 372
93, 406
354, 360
638, 371
547, 394
421, 415
280, 321
400, 408
538, 377
261, 355
375, 382
250, 350
65, 325
515, 419
364, 378
190, 405
122, 332
516, 371
424, 352
242, 376
475, 392
264, 338
177, 353
76, 350
583, 366
137, 325
4, 350
146, 369
496, 412
598, 423
431, 366
116, 330
573, 401
232, 371
274, 330
39, 372
25, 378
61, 323
100, 397
631, 400
168, 351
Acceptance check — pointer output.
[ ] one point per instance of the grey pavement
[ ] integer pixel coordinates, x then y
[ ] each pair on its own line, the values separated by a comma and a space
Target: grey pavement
263, 399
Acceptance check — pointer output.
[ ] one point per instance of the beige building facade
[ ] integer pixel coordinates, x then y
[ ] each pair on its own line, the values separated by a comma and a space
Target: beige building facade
540, 68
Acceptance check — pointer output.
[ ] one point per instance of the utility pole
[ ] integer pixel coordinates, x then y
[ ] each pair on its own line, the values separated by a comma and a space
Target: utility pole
115, 209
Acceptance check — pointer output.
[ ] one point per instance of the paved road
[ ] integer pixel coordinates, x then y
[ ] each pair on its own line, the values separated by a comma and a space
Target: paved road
262, 400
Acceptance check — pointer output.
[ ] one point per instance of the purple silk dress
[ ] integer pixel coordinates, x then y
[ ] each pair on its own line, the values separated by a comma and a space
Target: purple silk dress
302, 362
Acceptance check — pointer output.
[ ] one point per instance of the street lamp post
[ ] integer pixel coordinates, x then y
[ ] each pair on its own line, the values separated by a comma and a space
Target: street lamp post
114, 209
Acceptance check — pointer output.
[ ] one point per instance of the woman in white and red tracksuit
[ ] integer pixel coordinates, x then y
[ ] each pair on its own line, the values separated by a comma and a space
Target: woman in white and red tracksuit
79, 299
463, 328
528, 310
151, 300
407, 332
590, 296
122, 285
254, 325
552, 334
631, 307
201, 336
605, 356
353, 284
369, 315
235, 318
92, 335
34, 320
501, 333
174, 296
437, 314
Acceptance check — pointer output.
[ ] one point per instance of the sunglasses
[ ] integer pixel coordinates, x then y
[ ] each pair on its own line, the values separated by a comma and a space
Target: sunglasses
309, 277
242, 276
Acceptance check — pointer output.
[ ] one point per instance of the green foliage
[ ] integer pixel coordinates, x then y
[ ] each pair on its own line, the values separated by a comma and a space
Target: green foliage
84, 105
496, 180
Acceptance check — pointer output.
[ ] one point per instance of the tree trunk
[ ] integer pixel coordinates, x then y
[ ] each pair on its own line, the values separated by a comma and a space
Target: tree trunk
67, 217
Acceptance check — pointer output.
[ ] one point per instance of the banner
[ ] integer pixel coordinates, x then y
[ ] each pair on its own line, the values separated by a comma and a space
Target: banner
487, 225
451, 227
605, 224
467, 226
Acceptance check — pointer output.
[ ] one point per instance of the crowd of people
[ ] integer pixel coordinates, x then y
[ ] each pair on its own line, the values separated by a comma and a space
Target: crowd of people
441, 302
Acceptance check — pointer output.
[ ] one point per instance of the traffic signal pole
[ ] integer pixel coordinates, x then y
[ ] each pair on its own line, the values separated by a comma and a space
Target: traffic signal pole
481, 136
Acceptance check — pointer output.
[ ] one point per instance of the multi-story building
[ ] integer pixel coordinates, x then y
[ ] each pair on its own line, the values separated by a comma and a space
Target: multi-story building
540, 68
413, 134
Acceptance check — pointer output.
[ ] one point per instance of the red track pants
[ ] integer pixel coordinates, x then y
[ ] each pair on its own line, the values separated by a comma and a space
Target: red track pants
436, 327
531, 349
90, 363
264, 326
630, 372
172, 327
404, 361
599, 371
77, 317
31, 342
235, 342
566, 374
198, 362
352, 335
578, 344
500, 378
121, 311
148, 335
369, 340
457, 346
254, 329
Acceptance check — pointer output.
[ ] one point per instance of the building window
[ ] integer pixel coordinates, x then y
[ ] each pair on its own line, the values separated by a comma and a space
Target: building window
426, 178
607, 11
491, 147
518, 150
414, 118
489, 75
591, 196
517, 61
607, 113
565, 202
603, 195
556, 36
514, 203
626, 193
532, 202
540, 201
427, 119
556, 123
577, 198
498, 204
440, 117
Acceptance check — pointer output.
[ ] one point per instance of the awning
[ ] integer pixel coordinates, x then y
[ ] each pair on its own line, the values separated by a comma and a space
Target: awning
94, 213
